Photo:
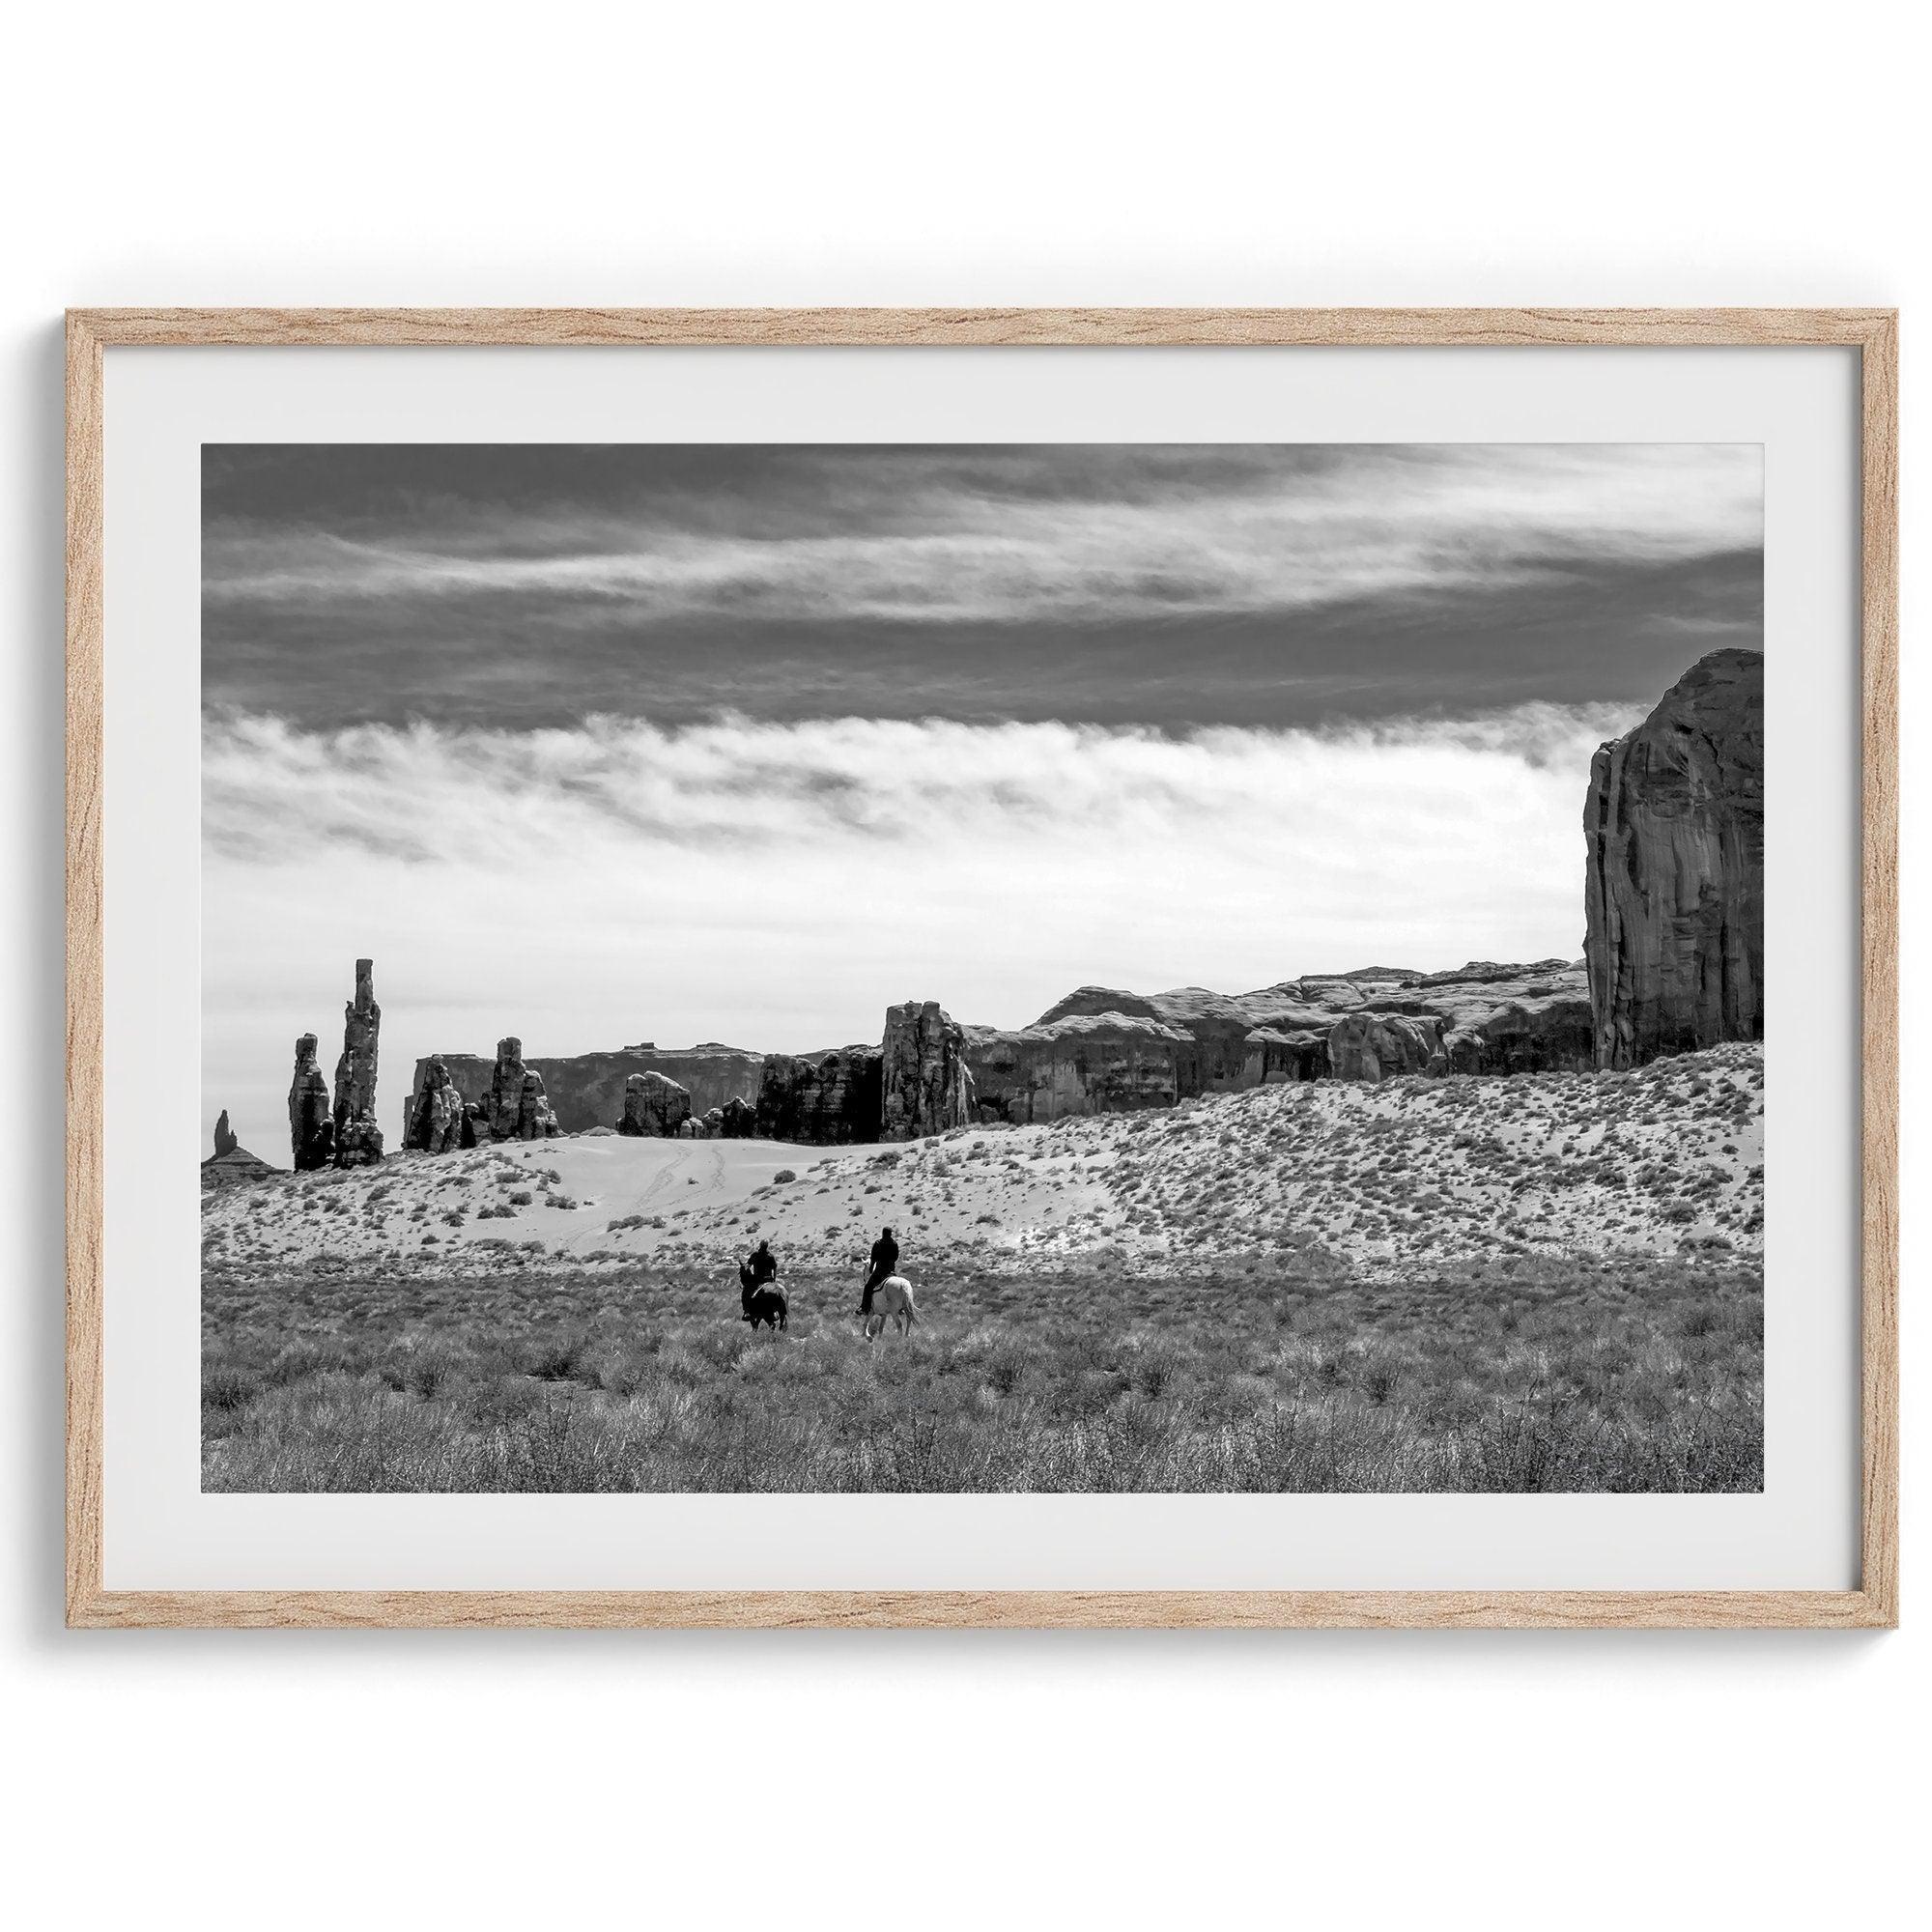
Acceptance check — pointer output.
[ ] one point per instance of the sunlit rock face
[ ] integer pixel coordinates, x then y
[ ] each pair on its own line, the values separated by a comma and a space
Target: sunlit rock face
1102, 1050
1674, 874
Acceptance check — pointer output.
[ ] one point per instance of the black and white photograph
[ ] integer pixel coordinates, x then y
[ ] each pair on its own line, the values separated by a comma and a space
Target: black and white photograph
1004, 968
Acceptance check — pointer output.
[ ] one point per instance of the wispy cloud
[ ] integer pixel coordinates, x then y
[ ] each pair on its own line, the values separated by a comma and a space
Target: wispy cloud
1070, 535
1171, 583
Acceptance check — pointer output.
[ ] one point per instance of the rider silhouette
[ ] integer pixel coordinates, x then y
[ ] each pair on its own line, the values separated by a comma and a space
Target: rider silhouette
764, 1265
885, 1261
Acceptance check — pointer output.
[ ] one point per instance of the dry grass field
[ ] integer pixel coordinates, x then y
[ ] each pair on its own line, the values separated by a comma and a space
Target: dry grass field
1548, 1281
1272, 1374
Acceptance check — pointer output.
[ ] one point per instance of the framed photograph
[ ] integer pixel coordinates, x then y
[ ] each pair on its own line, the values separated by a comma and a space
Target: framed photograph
1010, 968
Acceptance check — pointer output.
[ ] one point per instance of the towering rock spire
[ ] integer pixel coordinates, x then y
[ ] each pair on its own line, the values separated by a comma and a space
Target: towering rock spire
311, 1131
225, 1136
358, 1140
1674, 876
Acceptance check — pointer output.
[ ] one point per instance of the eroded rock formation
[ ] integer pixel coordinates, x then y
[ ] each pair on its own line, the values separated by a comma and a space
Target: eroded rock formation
230, 1164
1379, 1046
587, 1090
825, 1099
1082, 1063
436, 1110
535, 1120
924, 1085
654, 1107
311, 1125
1675, 873
1102, 1050
500, 1106
737, 1120
358, 1140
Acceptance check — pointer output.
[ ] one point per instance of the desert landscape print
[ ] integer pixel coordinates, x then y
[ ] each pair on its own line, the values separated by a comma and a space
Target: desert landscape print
995, 968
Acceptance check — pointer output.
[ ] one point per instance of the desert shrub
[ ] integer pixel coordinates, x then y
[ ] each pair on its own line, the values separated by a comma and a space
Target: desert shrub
225, 1386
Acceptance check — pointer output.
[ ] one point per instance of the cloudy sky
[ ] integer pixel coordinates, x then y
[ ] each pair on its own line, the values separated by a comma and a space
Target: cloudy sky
614, 743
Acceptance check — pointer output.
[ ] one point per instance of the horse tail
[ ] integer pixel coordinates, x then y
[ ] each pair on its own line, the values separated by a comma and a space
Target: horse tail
912, 1311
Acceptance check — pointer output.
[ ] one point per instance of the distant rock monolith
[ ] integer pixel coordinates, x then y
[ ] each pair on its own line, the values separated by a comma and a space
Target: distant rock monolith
535, 1120
358, 1140
924, 1086
225, 1136
436, 1113
655, 1107
501, 1102
311, 1128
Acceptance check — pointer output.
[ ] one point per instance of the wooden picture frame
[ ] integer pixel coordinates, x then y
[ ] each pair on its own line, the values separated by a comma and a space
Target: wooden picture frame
1871, 332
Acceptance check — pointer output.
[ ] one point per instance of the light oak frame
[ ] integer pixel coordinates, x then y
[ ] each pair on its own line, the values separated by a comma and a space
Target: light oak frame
1872, 332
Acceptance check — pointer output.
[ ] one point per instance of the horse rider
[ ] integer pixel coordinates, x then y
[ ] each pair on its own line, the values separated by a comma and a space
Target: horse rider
763, 1267
884, 1263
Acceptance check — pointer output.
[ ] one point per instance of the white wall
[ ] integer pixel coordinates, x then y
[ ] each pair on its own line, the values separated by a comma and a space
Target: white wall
991, 154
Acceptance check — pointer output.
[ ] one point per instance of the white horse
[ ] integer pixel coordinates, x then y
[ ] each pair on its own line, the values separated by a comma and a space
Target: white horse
892, 1299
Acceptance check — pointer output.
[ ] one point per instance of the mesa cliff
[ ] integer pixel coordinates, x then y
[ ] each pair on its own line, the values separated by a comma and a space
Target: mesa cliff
1674, 872
1102, 1051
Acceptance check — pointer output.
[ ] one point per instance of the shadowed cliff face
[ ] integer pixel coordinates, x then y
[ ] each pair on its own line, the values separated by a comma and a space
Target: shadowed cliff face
587, 1090
1674, 878
824, 1099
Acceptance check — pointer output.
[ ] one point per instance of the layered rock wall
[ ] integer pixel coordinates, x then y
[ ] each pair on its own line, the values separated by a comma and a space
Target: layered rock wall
1674, 874
1087, 1063
924, 1085
1103, 1050
1382, 1046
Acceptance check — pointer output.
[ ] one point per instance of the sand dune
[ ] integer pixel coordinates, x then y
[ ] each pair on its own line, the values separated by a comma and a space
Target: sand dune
1386, 1177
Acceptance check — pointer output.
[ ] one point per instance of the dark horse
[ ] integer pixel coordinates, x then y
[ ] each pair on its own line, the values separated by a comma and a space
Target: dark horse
762, 1305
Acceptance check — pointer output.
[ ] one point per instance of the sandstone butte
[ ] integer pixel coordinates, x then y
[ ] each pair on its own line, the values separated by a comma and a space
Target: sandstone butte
230, 1164
1674, 825
1674, 878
